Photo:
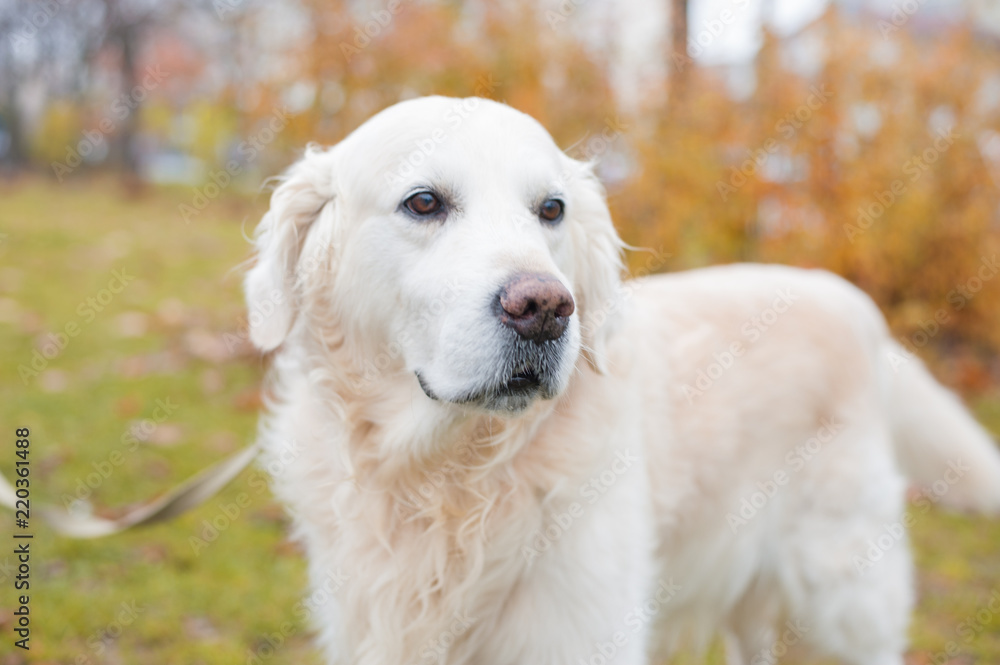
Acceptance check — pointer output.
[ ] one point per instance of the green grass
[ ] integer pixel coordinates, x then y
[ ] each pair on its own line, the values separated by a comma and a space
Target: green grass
159, 340
61, 246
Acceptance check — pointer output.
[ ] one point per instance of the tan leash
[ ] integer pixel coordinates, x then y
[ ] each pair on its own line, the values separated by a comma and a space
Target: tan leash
192, 493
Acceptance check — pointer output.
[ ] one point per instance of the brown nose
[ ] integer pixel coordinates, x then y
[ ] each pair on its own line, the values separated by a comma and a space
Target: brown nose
537, 306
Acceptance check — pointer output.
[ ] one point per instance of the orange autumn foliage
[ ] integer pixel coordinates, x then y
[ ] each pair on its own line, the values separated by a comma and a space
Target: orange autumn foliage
849, 167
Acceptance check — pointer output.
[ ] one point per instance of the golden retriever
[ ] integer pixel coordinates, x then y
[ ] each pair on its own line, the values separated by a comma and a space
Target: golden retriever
497, 452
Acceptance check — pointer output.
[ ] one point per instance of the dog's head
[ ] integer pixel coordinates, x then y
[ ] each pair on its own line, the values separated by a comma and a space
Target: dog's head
449, 240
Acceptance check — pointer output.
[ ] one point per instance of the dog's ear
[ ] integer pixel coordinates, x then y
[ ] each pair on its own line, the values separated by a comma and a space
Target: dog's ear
271, 286
598, 257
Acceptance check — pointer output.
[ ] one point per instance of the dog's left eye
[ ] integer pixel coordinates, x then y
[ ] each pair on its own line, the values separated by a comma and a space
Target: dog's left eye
551, 210
423, 204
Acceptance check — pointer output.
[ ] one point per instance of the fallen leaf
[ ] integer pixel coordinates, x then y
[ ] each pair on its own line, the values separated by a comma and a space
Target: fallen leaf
212, 381
248, 400
204, 345
172, 312
128, 406
166, 435
10, 311
53, 380
131, 324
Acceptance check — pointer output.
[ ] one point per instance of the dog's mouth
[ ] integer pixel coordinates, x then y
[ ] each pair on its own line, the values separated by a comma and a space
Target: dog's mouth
522, 383
514, 379
514, 393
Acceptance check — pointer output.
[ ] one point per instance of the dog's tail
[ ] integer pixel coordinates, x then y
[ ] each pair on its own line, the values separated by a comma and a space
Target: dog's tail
939, 444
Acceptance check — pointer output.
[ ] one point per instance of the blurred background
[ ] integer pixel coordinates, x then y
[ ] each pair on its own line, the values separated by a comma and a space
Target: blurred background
861, 136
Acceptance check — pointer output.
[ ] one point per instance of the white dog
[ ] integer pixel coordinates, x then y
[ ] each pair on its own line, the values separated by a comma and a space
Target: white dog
497, 453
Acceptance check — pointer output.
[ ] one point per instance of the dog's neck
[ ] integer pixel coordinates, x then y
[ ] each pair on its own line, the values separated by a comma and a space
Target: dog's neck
402, 436
451, 494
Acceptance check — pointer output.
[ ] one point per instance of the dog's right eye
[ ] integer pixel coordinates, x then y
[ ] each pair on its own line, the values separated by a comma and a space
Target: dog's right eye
423, 204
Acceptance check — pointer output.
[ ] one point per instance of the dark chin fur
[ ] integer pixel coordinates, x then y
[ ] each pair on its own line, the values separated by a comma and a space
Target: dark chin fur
527, 372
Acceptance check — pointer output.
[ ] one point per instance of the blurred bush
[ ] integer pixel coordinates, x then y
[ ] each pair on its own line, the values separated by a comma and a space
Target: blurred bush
869, 151
879, 159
